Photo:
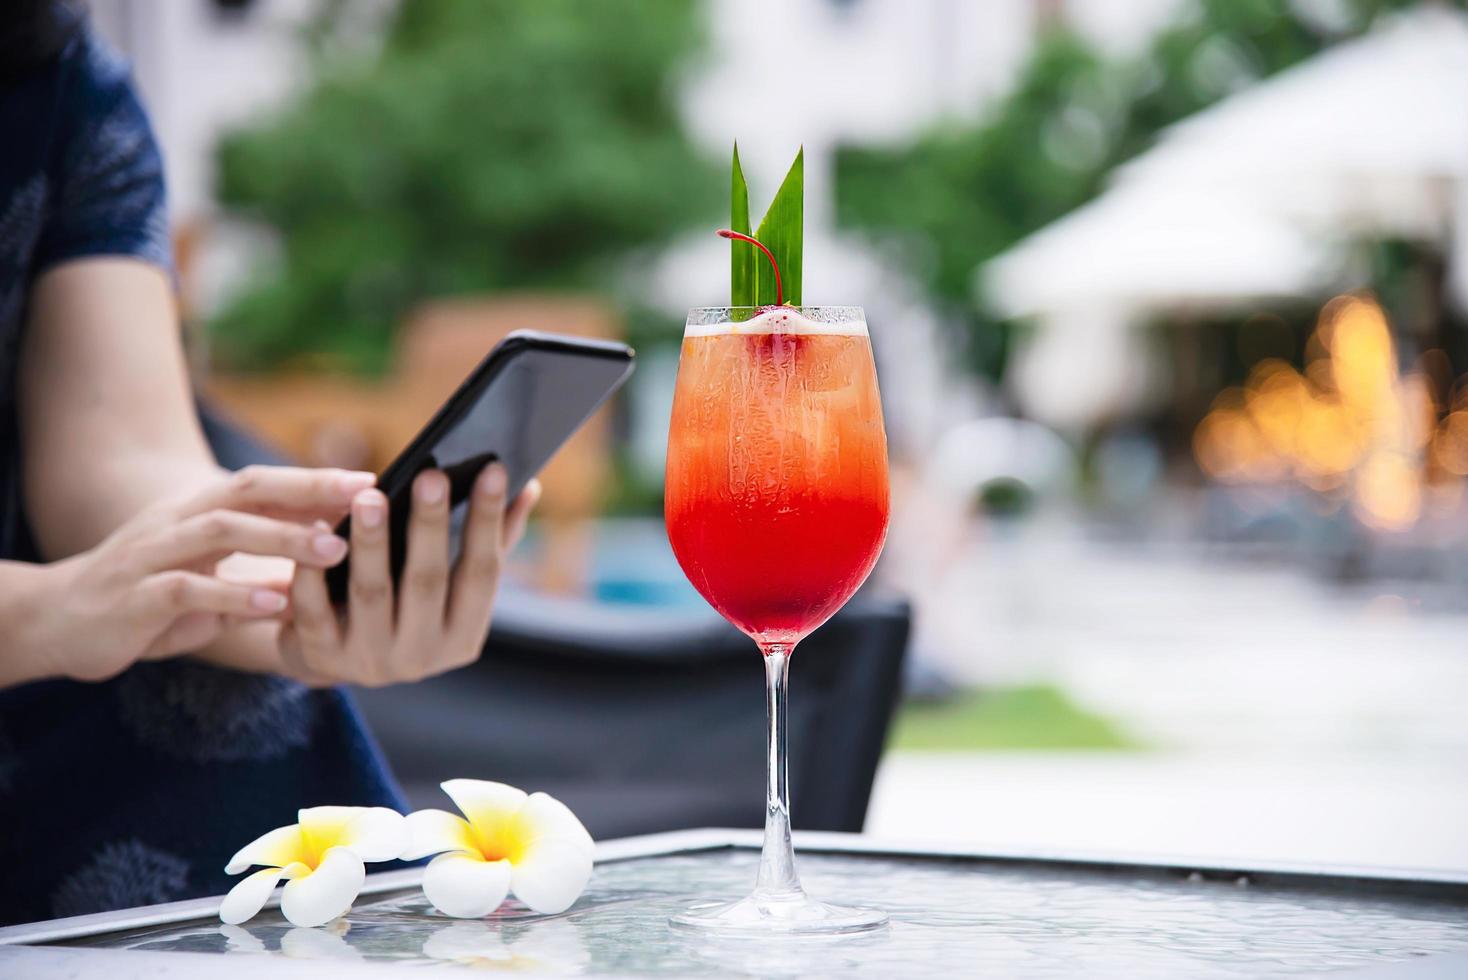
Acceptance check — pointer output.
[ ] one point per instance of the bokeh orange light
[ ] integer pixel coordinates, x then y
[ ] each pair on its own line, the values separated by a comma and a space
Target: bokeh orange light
1350, 423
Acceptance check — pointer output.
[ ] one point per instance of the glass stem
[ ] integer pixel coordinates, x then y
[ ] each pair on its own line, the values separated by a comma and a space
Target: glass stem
777, 880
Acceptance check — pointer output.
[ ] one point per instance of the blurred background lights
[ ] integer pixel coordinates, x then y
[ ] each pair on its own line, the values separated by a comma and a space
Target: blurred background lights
1350, 423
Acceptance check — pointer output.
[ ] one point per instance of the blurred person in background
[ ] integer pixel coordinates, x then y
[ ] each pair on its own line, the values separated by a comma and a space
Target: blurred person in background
129, 775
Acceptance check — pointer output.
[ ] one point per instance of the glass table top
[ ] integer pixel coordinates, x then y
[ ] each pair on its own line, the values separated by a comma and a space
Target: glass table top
950, 917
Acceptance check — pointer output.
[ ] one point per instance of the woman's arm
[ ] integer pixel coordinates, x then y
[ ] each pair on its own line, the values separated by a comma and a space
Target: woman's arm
148, 590
109, 429
113, 453
106, 418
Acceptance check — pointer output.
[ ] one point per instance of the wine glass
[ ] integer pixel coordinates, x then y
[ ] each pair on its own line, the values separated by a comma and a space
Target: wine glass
777, 507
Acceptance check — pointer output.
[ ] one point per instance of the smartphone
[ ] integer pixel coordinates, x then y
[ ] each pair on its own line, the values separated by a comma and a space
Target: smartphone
520, 405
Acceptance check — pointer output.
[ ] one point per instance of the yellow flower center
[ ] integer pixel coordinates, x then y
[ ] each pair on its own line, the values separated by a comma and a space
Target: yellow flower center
319, 837
502, 838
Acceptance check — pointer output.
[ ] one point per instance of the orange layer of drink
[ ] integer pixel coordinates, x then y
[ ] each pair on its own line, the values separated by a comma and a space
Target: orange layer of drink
776, 495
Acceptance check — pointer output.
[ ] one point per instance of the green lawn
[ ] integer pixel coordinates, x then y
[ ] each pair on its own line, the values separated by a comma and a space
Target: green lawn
1036, 716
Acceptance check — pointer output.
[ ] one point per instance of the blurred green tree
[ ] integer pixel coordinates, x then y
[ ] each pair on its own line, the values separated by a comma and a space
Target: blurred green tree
487, 144
964, 192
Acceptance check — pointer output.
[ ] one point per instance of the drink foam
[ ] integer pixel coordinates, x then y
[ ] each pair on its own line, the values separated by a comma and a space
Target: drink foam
778, 320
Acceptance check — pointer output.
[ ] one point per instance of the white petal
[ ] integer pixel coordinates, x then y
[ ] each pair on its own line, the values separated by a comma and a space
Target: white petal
466, 942
376, 834
437, 831
465, 885
249, 896
276, 849
483, 801
545, 816
552, 874
327, 892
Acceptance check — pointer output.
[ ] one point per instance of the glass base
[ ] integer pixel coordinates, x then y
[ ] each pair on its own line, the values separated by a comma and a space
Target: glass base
758, 916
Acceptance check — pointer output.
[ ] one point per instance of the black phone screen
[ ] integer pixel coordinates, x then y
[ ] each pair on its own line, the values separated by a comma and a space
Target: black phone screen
519, 406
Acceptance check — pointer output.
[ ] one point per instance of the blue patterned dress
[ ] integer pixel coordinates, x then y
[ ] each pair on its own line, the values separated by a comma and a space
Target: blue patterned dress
139, 789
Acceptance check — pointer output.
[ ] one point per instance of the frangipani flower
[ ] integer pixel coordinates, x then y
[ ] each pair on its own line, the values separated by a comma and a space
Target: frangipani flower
321, 856
531, 845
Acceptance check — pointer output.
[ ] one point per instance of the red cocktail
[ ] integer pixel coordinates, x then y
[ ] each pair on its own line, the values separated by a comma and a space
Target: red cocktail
776, 497
776, 504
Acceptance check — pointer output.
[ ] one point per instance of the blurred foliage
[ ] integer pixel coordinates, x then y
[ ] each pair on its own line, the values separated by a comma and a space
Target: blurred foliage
633, 490
963, 193
1005, 497
1035, 716
487, 145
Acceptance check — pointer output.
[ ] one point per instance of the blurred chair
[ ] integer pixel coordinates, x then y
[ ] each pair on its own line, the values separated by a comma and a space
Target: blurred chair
644, 719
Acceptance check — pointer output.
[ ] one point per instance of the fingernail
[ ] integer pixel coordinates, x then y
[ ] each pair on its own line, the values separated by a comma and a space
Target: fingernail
495, 480
353, 482
329, 546
267, 601
369, 512
430, 490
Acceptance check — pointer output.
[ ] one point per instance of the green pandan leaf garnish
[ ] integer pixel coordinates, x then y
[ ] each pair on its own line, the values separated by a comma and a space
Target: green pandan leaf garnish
741, 258
781, 231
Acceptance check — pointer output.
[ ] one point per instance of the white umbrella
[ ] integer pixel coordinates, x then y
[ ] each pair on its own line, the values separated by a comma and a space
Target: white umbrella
1248, 199
1138, 247
1370, 136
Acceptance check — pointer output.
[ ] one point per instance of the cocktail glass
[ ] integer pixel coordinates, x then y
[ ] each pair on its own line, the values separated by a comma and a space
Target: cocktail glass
777, 507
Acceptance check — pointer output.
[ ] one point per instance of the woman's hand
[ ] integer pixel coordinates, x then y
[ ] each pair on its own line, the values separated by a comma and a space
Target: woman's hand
438, 618
149, 589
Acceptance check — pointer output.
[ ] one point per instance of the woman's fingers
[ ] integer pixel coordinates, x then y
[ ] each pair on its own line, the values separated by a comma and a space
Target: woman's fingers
313, 621
424, 585
370, 592
477, 575
281, 490
189, 632
395, 630
519, 514
214, 534
172, 595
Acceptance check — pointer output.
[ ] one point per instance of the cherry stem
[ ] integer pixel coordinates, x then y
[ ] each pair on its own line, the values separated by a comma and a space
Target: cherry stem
738, 237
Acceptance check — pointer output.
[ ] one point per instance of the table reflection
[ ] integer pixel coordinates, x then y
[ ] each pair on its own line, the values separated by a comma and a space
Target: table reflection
949, 918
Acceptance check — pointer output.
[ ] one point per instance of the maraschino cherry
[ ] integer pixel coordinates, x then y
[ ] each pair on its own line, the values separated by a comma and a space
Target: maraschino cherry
740, 237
